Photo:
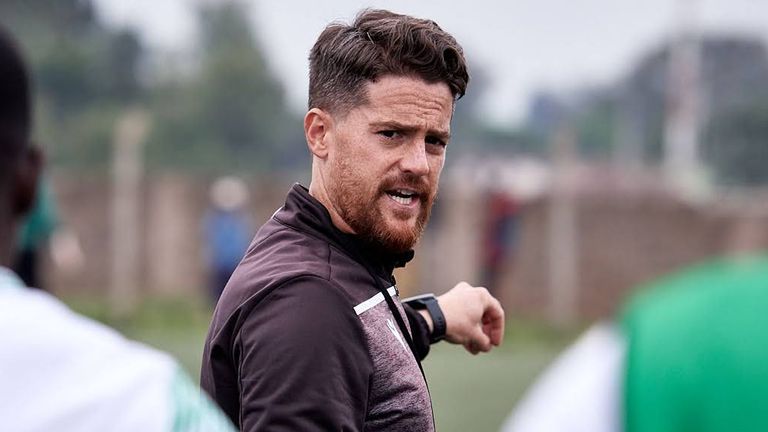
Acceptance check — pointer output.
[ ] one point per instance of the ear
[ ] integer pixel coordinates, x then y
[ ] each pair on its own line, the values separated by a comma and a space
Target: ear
317, 125
28, 172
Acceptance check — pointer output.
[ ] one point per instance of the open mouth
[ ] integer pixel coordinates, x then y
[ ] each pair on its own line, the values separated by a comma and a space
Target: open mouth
402, 196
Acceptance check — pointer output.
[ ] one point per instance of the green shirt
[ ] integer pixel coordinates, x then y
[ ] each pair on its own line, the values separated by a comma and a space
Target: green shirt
41, 220
697, 350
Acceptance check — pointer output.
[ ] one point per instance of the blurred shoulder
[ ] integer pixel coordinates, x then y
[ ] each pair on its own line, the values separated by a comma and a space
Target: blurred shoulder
62, 371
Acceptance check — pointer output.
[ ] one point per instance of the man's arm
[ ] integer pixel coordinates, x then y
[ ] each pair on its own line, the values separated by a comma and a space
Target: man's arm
303, 361
473, 318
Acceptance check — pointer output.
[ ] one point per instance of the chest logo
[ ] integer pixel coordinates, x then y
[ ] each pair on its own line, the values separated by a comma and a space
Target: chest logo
394, 331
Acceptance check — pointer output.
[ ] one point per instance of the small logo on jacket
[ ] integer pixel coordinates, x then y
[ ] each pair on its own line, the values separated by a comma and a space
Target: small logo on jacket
394, 331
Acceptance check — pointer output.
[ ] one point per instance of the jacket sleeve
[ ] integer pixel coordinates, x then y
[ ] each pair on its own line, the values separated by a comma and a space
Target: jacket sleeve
303, 361
419, 331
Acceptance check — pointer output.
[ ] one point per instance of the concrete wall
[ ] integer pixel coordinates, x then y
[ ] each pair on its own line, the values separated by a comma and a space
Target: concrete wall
172, 206
621, 240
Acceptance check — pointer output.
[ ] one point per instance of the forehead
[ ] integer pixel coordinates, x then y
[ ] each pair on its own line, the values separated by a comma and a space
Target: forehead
409, 101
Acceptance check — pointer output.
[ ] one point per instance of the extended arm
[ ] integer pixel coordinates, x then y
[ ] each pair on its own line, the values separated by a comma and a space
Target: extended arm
473, 318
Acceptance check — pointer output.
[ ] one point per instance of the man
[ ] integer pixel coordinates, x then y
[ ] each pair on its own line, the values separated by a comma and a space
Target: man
310, 333
689, 353
228, 231
60, 371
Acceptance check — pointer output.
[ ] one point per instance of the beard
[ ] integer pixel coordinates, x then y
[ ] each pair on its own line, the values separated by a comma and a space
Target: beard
358, 204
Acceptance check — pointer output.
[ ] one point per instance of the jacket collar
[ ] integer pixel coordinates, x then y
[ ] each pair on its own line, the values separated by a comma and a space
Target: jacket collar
305, 213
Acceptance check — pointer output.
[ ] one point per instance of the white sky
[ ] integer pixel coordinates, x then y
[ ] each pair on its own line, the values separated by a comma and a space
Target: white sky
522, 45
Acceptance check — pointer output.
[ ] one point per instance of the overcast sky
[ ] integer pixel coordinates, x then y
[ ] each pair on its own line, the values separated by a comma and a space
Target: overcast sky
522, 45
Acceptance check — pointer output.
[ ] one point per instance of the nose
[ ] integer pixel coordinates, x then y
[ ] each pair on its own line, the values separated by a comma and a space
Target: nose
414, 159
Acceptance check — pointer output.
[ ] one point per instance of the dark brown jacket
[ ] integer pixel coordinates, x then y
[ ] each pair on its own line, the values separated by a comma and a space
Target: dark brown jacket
302, 338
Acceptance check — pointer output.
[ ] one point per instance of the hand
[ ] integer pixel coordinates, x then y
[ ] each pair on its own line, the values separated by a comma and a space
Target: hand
473, 317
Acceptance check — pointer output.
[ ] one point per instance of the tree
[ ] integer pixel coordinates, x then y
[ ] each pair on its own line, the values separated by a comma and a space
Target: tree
737, 146
84, 73
734, 75
231, 114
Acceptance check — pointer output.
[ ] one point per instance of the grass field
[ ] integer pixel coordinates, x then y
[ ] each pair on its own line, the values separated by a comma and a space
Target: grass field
477, 393
470, 393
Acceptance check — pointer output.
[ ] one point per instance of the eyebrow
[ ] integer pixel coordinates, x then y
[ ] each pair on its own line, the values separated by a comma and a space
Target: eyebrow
395, 125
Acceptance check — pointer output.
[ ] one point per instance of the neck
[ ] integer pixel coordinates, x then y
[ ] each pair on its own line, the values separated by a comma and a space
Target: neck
319, 192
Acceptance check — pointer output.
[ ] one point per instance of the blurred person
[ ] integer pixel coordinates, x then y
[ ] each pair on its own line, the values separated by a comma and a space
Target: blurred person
310, 333
60, 371
36, 231
688, 353
499, 237
66, 251
227, 231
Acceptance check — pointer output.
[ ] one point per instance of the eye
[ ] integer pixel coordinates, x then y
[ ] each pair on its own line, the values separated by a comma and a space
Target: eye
435, 141
389, 134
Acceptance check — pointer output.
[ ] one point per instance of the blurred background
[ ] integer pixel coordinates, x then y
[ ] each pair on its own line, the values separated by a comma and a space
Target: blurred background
601, 144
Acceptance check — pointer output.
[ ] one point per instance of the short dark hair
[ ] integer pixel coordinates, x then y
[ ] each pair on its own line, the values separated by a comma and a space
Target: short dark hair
15, 103
376, 44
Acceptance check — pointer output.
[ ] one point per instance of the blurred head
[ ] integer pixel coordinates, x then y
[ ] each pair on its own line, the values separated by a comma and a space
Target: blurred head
229, 193
381, 98
19, 161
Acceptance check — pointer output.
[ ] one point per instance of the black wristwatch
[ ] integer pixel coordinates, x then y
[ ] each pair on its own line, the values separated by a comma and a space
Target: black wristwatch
429, 302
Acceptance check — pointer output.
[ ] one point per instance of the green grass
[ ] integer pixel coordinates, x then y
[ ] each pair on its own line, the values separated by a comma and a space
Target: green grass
470, 393
476, 393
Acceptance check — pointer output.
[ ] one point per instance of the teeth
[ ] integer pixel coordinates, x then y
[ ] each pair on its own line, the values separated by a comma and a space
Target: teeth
402, 200
405, 192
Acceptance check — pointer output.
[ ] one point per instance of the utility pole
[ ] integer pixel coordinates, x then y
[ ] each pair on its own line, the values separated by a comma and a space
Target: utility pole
682, 167
627, 153
563, 242
130, 133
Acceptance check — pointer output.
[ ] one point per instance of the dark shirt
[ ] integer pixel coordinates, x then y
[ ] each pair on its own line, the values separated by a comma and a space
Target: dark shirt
303, 339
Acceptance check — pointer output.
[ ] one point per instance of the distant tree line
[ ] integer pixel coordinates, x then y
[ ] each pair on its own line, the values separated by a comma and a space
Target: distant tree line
223, 109
223, 112
734, 112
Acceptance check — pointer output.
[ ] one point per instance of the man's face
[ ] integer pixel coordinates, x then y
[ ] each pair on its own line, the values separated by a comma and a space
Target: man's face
386, 157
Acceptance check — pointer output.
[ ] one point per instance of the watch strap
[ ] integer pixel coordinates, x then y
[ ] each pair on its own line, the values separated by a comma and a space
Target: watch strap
430, 303
438, 320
